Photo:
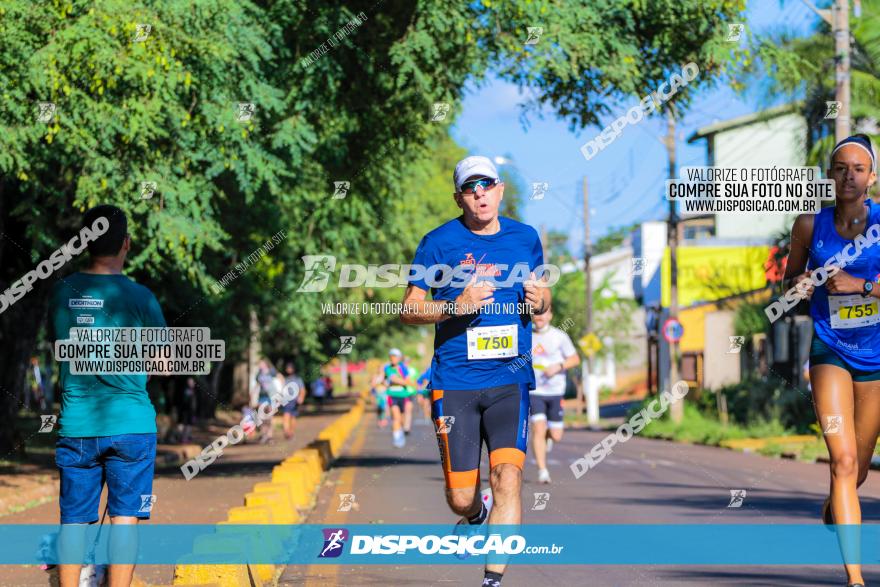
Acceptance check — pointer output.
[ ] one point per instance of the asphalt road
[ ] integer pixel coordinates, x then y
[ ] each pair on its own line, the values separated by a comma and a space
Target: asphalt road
642, 482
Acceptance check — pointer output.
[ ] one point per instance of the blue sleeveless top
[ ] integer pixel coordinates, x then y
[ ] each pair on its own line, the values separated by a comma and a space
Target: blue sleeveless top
847, 323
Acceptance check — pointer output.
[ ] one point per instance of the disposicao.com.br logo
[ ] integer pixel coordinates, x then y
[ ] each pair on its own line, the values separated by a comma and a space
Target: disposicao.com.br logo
334, 542
320, 269
450, 544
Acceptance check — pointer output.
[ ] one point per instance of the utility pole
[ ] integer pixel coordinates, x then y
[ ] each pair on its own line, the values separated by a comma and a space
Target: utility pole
590, 393
838, 19
544, 242
841, 69
676, 408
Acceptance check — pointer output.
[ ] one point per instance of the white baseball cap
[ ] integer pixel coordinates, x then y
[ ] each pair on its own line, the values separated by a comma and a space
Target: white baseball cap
473, 166
395, 353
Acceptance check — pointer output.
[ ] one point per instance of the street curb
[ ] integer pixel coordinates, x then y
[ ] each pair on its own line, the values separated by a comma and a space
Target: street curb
287, 499
737, 446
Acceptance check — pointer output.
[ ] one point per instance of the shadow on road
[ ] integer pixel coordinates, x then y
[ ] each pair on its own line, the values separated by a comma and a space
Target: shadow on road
773, 576
383, 461
766, 502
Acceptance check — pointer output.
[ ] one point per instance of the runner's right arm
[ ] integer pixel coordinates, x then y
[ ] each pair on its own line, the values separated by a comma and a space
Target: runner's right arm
799, 253
418, 310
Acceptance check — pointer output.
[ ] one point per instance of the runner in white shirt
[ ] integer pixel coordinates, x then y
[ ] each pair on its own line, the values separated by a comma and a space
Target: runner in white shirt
552, 354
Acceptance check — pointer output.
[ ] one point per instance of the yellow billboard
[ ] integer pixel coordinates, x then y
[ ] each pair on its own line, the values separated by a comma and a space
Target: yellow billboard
711, 273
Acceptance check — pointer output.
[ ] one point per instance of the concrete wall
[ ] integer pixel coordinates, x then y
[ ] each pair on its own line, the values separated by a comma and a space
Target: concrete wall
780, 141
719, 366
615, 264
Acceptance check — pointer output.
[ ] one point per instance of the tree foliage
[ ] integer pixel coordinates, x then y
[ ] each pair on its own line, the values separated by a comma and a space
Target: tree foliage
167, 109
803, 68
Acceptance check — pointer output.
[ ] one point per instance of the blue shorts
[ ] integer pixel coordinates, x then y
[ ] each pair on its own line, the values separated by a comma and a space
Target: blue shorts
124, 461
291, 407
822, 354
547, 408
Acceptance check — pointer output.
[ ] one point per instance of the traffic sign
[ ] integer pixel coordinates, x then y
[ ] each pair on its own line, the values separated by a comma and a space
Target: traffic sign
672, 330
589, 344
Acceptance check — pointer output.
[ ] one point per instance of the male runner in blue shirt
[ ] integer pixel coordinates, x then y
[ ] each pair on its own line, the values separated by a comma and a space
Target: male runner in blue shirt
481, 372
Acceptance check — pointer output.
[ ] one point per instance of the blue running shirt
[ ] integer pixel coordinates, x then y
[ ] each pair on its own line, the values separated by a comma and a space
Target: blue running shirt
493, 258
853, 330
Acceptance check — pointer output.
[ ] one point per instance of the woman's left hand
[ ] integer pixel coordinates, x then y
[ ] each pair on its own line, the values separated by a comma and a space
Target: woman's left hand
844, 283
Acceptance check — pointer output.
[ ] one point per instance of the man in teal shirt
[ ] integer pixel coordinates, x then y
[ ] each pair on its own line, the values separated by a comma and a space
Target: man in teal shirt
397, 381
107, 423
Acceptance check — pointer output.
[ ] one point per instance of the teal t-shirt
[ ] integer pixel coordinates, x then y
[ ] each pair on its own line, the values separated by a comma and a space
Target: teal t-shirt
394, 389
102, 405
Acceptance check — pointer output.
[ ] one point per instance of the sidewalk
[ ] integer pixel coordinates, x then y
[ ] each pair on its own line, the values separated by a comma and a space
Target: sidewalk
203, 500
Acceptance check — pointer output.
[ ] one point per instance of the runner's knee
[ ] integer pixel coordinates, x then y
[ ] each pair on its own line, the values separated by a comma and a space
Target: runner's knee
556, 434
844, 466
505, 478
461, 501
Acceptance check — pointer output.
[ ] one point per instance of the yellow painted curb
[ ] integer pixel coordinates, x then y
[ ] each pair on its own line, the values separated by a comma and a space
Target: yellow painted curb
759, 443
293, 486
252, 539
306, 466
278, 504
250, 515
220, 575
311, 477
300, 491
312, 455
282, 488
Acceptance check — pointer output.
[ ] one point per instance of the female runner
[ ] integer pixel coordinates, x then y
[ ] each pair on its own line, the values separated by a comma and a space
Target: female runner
845, 350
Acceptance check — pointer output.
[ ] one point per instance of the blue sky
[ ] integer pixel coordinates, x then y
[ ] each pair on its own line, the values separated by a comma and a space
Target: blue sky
626, 178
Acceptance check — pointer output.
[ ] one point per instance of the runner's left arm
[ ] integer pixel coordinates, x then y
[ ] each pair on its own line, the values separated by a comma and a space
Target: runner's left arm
537, 292
572, 359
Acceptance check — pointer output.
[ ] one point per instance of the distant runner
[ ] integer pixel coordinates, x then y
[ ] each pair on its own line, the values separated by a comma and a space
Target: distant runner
413, 390
290, 410
424, 384
552, 355
396, 382
380, 391
266, 383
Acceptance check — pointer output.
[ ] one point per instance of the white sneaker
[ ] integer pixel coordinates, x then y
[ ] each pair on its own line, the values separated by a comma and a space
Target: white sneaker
549, 444
465, 528
398, 439
486, 496
543, 476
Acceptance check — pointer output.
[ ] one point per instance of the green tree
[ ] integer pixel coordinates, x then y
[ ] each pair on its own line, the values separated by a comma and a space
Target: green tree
803, 68
167, 109
613, 239
594, 56
612, 314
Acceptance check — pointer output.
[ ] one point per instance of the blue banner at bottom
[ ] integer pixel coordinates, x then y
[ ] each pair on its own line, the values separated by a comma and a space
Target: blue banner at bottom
570, 544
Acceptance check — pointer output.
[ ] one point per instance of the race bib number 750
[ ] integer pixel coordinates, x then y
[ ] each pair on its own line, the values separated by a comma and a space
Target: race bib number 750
492, 342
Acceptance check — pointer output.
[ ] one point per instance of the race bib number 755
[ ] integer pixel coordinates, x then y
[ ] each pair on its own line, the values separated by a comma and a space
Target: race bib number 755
852, 311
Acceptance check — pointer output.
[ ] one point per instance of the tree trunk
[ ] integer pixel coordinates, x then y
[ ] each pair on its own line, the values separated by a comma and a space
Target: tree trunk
19, 323
19, 327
